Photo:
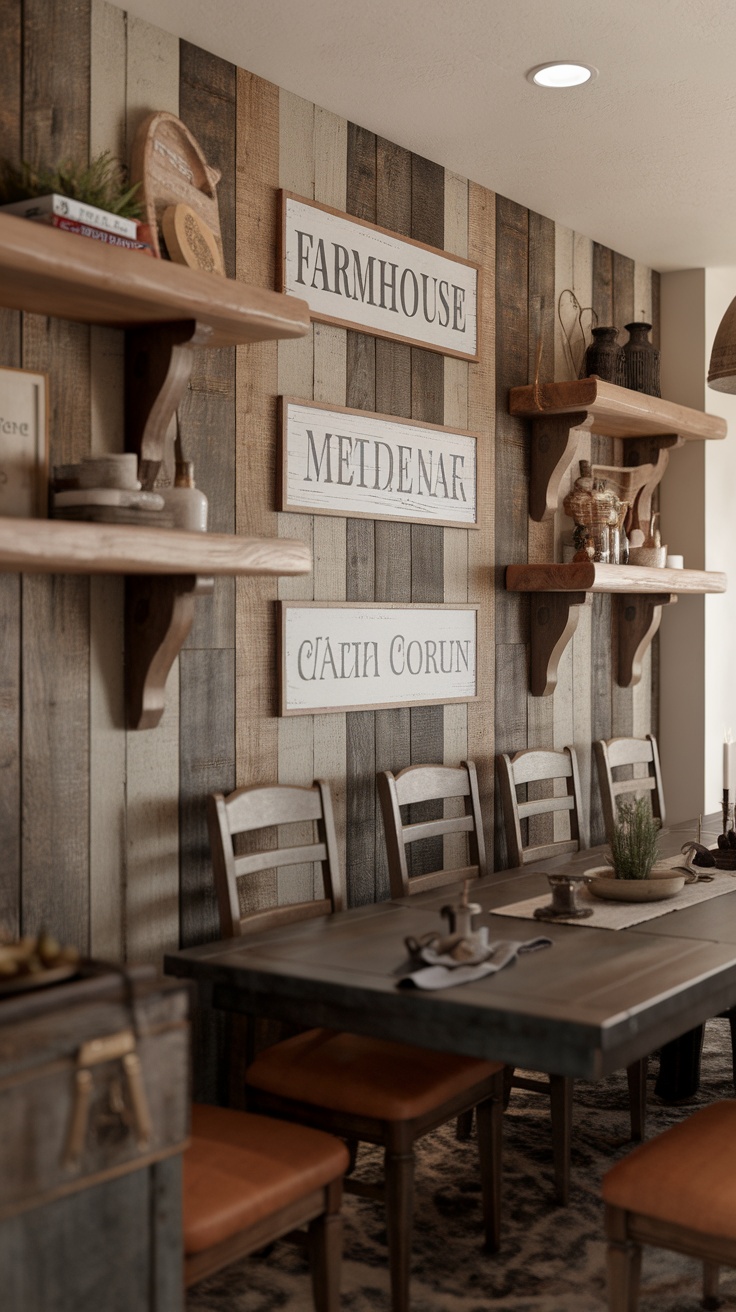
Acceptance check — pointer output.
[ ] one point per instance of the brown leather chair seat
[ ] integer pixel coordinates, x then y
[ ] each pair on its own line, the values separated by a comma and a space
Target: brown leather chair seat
365, 1077
240, 1168
686, 1176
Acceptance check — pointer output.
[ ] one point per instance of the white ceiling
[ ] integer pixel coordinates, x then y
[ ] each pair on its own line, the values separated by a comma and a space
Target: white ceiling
643, 159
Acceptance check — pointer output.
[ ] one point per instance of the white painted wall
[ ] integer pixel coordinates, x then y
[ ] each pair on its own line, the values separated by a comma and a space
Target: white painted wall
698, 503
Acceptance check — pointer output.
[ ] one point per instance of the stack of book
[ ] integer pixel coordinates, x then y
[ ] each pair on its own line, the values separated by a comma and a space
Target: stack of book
105, 489
84, 220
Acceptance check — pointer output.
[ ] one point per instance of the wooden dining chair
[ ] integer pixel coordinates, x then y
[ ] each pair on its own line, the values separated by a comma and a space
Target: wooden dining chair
363, 1089
616, 754
247, 1181
675, 1192
430, 783
539, 768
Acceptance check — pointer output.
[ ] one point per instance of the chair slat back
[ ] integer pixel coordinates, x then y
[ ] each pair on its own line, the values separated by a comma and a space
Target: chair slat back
425, 783
250, 809
533, 766
617, 753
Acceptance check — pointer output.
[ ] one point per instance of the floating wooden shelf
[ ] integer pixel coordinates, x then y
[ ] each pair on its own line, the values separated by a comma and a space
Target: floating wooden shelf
558, 592
60, 274
54, 546
652, 427
167, 311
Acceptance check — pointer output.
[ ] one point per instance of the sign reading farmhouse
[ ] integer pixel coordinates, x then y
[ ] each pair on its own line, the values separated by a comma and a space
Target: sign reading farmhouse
347, 462
359, 275
341, 657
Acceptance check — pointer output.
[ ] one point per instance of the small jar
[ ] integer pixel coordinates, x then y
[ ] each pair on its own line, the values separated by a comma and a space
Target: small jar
185, 501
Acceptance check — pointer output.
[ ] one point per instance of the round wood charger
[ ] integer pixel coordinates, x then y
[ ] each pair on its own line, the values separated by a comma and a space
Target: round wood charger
190, 241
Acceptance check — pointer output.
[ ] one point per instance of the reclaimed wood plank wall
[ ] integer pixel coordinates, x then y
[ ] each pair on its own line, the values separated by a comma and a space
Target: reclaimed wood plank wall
103, 829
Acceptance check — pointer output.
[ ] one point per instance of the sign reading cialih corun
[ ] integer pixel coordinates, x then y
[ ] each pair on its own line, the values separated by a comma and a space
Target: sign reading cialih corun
361, 276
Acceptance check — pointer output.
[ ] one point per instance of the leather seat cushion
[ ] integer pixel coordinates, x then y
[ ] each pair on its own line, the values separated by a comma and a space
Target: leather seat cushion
365, 1077
686, 1176
240, 1168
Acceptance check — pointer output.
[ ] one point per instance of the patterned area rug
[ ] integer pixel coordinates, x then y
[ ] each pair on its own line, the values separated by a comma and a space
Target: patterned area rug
551, 1260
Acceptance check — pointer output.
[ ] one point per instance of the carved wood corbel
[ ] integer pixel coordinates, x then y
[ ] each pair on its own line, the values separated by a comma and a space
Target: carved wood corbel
554, 619
555, 443
158, 366
159, 612
639, 617
654, 451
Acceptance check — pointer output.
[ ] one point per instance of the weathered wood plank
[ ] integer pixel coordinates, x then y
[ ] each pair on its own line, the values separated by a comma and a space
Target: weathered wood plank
622, 699
512, 435
152, 73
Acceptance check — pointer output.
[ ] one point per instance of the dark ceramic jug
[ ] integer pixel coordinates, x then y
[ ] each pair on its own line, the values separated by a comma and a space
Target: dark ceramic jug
642, 360
605, 358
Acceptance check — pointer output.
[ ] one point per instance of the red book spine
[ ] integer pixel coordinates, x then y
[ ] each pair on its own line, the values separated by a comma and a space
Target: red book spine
98, 234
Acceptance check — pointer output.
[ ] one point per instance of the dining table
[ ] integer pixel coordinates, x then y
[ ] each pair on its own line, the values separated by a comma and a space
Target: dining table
595, 1001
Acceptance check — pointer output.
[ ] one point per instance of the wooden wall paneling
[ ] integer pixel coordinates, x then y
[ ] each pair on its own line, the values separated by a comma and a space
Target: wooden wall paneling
55, 609
601, 649
10, 584
622, 699
654, 649
257, 175
512, 483
455, 541
642, 693
107, 741
296, 378
152, 888
207, 104
393, 542
330, 532
427, 541
541, 537
481, 543
360, 557
563, 730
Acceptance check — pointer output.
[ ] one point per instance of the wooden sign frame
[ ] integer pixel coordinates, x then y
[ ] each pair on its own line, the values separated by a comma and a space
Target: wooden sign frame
381, 239
24, 443
375, 614
381, 429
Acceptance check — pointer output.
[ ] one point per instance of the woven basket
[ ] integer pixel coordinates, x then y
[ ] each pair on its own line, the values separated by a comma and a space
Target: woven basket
725, 858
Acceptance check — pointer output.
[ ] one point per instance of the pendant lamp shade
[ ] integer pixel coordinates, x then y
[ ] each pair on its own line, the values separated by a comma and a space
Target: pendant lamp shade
722, 371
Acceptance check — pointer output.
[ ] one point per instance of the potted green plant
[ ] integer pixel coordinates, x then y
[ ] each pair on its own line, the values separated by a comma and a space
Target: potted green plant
633, 852
635, 843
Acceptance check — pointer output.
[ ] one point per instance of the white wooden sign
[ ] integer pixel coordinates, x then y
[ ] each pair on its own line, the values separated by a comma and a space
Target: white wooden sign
23, 443
361, 276
348, 657
348, 462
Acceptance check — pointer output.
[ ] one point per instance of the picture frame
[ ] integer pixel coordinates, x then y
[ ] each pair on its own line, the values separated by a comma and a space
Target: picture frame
24, 443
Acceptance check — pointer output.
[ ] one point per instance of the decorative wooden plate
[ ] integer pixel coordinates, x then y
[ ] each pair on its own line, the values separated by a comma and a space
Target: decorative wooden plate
189, 240
172, 170
656, 888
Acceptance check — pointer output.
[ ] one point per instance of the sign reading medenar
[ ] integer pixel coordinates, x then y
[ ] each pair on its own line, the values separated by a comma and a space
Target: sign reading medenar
361, 276
341, 657
348, 462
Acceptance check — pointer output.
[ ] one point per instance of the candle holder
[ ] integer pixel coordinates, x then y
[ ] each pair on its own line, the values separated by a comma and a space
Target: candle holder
728, 811
564, 904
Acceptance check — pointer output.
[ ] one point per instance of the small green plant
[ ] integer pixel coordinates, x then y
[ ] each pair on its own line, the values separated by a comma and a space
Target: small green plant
102, 182
634, 846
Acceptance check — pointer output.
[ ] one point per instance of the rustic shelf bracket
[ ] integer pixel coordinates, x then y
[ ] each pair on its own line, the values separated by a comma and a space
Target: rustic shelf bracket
654, 452
554, 619
159, 613
638, 620
555, 444
158, 366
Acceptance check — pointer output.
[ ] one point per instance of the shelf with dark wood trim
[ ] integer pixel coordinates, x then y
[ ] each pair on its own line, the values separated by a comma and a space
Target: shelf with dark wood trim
650, 426
558, 592
167, 311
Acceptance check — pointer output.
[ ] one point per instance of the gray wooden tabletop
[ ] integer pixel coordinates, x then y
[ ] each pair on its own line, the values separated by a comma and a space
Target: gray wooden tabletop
592, 1003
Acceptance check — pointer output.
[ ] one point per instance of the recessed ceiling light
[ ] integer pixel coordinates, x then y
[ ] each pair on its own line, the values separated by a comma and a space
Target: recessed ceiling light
558, 74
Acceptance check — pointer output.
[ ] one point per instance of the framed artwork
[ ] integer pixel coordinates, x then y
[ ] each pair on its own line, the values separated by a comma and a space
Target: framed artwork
24, 446
336, 461
361, 276
347, 656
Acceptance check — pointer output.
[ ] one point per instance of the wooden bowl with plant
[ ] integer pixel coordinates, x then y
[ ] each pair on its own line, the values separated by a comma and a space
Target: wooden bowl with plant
632, 875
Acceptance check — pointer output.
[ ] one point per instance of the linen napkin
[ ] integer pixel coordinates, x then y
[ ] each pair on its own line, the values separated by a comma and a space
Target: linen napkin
441, 971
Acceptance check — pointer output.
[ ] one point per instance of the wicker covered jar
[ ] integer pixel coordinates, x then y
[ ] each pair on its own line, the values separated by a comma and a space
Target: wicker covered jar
595, 510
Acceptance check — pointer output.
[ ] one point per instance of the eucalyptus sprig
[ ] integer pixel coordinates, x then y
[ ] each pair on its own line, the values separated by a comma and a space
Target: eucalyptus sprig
635, 842
102, 182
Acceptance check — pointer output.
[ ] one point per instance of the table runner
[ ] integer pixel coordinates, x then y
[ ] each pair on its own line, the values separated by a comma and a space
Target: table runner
620, 915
